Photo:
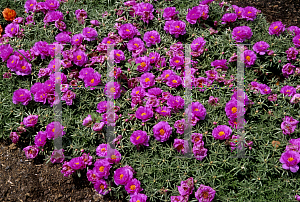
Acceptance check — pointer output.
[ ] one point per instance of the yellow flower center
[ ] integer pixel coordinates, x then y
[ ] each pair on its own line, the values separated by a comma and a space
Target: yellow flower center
11, 29
21, 95
196, 109
138, 137
143, 64
288, 91
176, 61
78, 57
53, 130
152, 37
167, 76
101, 169
108, 42
147, 80
31, 5
136, 45
132, 187
88, 32
153, 57
101, 186
77, 163
113, 157
127, 30
275, 27
161, 132
23, 67
76, 39
177, 27
205, 194
92, 81
238, 31
221, 133
174, 81
118, 54
12, 61
143, 114
112, 90
249, 12
103, 149
290, 159
197, 139
212, 75
121, 176
248, 58
234, 109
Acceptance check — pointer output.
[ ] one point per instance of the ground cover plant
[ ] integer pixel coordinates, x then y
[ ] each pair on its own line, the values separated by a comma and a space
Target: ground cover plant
150, 73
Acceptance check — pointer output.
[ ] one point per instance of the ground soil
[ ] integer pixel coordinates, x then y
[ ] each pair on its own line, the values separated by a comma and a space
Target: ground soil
33, 180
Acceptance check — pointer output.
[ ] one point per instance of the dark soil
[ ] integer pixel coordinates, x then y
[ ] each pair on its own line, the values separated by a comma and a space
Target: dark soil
34, 180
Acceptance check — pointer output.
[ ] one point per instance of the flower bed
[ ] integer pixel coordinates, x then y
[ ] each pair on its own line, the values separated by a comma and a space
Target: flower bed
149, 97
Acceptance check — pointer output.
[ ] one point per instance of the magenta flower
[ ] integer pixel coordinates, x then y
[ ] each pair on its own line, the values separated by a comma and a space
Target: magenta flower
87, 121
198, 45
101, 187
81, 15
136, 45
276, 28
122, 176
14, 137
30, 120
144, 113
12, 29
229, 17
57, 156
290, 159
133, 187
179, 198
30, 5
144, 64
163, 111
31, 151
250, 58
138, 198
98, 126
90, 34
238, 11
44, 72
295, 99
196, 138
40, 139
63, 38
151, 38
145, 10
52, 4
291, 53
186, 187
177, 28
296, 41
211, 75
60, 25
113, 90
95, 22
193, 15
264, 89
240, 34
54, 129
79, 58
23, 68
118, 56
180, 126
170, 13
127, 31
180, 145
5, 51
213, 101
21, 95
175, 102
294, 30
199, 151
101, 150
177, 62
205, 193
147, 80
77, 39
68, 96
162, 131
91, 175
199, 110
139, 138
221, 132
288, 69
261, 47
102, 167
249, 13
272, 97
92, 79
288, 90
174, 81
220, 64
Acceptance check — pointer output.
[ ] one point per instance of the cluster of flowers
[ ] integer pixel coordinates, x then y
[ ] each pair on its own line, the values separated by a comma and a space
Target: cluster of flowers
186, 188
247, 13
291, 156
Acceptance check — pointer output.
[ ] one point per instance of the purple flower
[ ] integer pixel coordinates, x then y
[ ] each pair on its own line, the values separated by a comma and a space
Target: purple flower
276, 28
221, 132
229, 17
199, 151
198, 45
264, 89
53, 16
291, 53
144, 64
186, 187
151, 38
57, 156
54, 129
296, 41
118, 56
113, 90
170, 13
30, 5
213, 100
133, 187
31, 151
52, 4
98, 126
77, 163
249, 13
205, 193
139, 137
177, 28
295, 99
180, 145
87, 121
81, 15
40, 139
176, 62
127, 31
297, 197
60, 25
145, 10
294, 30
63, 38
250, 58
68, 96
288, 90
79, 58
144, 113
12, 29
180, 126
101, 187
95, 22
122, 176
261, 47
222, 64
175, 102
136, 45
21, 95
102, 167
30, 120
162, 131
5, 51
211, 75
199, 110
92, 79
23, 68
14, 137
163, 111
89, 34
138, 198
287, 70
147, 80
290, 159
193, 15
174, 81
41, 48
240, 34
